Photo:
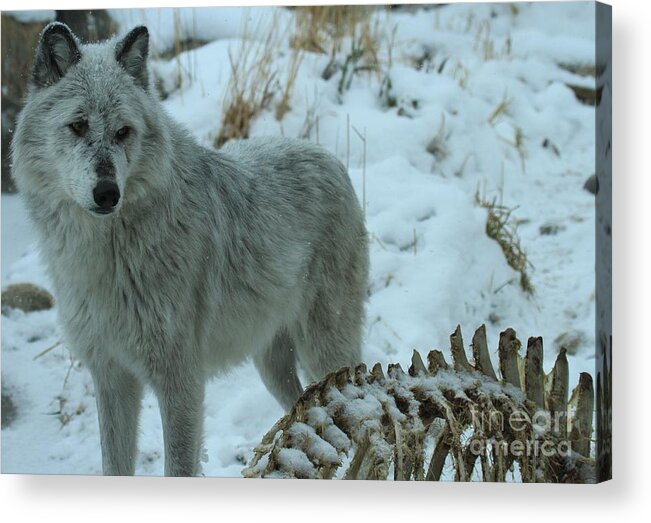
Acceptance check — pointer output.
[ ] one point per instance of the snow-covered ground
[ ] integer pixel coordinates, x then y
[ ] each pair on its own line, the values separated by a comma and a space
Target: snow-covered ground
432, 265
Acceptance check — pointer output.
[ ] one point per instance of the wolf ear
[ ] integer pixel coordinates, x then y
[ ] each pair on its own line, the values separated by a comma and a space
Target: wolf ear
57, 51
131, 53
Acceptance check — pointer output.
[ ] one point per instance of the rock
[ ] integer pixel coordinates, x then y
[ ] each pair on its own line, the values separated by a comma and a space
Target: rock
26, 297
8, 412
592, 184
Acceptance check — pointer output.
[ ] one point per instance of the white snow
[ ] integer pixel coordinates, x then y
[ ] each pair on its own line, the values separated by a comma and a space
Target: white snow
166, 25
17, 234
296, 460
432, 265
319, 450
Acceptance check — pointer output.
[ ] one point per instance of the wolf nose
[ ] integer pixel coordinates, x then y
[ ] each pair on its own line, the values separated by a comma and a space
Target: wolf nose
106, 195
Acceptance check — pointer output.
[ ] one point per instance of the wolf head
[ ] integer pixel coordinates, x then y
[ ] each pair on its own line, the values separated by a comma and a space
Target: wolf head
83, 134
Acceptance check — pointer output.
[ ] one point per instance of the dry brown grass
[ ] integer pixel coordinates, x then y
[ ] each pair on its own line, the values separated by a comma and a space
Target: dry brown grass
345, 33
485, 44
501, 228
361, 56
321, 29
256, 81
500, 110
251, 88
294, 65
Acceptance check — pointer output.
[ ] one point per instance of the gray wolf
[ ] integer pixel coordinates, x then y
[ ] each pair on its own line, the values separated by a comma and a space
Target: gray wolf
171, 262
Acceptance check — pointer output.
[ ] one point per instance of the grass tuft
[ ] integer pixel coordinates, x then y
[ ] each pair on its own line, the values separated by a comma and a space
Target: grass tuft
322, 29
501, 109
255, 81
501, 228
294, 65
345, 33
251, 87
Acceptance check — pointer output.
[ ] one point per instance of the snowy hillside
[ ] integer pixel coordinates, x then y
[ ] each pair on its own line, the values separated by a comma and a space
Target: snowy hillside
478, 102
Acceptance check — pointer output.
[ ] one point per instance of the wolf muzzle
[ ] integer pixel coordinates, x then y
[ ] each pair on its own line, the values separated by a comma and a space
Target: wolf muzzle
106, 195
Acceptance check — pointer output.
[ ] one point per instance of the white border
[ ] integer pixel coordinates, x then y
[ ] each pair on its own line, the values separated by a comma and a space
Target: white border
72, 498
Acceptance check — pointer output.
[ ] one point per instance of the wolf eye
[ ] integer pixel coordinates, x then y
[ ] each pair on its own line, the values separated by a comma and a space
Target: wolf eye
123, 133
79, 127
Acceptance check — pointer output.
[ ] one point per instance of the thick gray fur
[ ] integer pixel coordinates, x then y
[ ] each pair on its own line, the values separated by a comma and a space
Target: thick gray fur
257, 250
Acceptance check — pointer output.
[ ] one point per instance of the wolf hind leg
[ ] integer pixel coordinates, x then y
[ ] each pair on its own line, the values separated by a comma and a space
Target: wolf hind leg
331, 337
276, 365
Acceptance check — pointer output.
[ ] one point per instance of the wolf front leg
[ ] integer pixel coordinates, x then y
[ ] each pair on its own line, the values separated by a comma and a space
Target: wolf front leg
181, 404
118, 394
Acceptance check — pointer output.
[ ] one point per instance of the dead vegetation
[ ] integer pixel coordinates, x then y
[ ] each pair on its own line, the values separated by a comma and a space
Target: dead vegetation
581, 69
286, 92
437, 146
500, 110
485, 44
345, 33
501, 227
251, 87
322, 29
586, 95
